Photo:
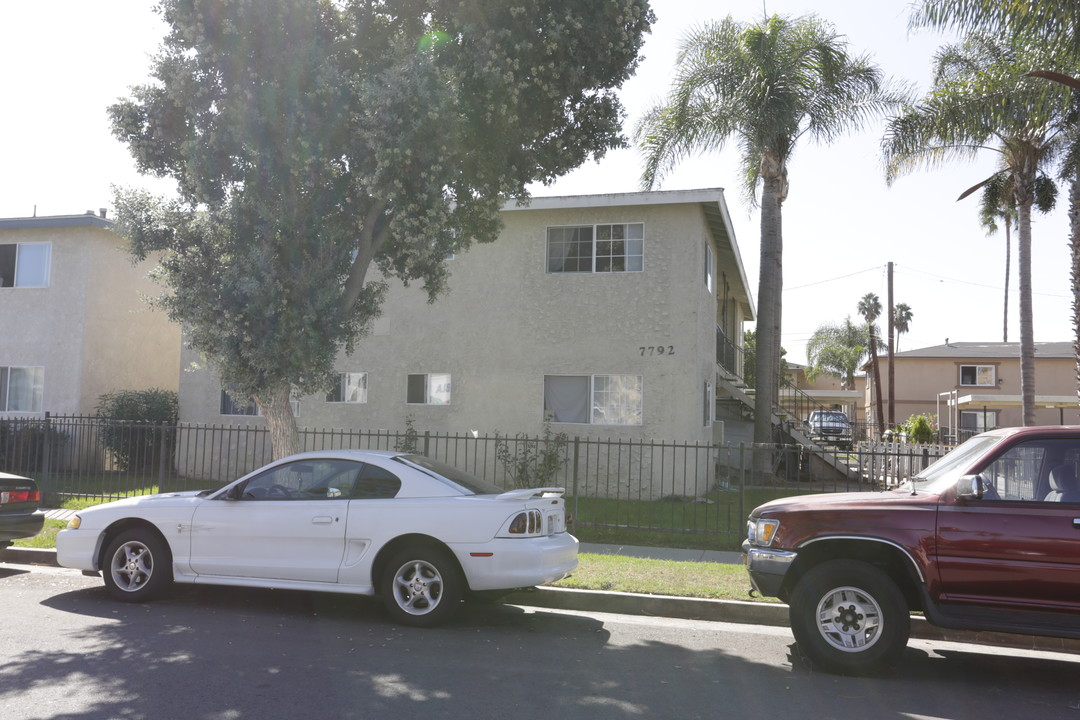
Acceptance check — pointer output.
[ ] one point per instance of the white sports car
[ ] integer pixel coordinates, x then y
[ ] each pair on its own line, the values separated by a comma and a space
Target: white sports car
417, 532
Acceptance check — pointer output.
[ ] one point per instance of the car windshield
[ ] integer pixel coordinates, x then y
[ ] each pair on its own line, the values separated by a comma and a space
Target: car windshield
940, 475
831, 417
451, 473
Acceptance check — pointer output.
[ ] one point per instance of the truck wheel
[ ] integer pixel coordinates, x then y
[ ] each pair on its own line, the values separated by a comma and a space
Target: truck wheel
849, 617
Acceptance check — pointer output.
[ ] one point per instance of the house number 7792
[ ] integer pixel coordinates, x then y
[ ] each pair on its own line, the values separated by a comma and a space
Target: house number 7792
657, 350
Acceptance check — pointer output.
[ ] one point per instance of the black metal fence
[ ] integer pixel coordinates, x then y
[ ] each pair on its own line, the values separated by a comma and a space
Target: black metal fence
627, 486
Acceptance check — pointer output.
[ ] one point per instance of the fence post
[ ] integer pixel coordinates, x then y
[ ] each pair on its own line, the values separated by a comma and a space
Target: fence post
427, 441
574, 481
742, 482
47, 446
161, 456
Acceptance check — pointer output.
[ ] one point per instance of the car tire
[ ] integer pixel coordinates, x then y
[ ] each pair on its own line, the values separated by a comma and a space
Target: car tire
137, 566
422, 586
849, 617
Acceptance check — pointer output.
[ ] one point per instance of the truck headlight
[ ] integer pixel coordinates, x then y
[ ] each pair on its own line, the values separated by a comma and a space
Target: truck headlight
761, 532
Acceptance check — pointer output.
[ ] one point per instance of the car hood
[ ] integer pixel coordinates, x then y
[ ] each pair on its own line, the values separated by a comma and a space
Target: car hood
160, 500
854, 500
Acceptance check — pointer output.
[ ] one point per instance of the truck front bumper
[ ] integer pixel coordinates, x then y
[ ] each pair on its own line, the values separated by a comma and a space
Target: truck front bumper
767, 568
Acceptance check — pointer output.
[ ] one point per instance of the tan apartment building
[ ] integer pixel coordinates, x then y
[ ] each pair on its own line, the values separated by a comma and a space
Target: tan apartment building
74, 323
617, 316
971, 387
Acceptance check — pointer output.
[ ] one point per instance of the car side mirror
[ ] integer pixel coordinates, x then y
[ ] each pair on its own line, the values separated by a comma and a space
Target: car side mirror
235, 492
969, 487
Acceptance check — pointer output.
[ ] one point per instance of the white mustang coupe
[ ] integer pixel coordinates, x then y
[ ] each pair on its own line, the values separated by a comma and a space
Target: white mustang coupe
417, 532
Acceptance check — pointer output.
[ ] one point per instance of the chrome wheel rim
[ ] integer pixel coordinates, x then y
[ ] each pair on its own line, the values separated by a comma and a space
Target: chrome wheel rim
132, 565
849, 619
418, 587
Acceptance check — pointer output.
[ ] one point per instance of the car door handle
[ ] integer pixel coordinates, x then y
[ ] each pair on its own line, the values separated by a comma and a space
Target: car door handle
1076, 522
322, 520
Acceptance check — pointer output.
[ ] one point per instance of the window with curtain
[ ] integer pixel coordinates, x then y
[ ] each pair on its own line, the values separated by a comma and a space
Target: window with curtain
25, 264
22, 389
612, 247
351, 388
593, 399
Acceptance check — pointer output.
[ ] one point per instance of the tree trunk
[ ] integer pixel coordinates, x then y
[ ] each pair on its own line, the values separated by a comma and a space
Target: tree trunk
277, 409
770, 284
1027, 332
1074, 248
1008, 261
876, 370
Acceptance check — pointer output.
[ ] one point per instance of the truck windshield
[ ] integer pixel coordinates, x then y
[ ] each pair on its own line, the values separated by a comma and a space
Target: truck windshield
943, 473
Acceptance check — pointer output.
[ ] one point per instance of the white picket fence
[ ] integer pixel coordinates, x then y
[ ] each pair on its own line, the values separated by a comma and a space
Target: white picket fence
891, 463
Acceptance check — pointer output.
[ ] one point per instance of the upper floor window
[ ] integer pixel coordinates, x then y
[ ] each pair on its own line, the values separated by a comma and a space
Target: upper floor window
351, 388
978, 375
431, 389
618, 247
593, 399
22, 389
25, 264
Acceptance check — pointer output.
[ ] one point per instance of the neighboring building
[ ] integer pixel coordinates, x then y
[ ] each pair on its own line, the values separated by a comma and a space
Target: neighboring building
74, 323
801, 396
605, 316
971, 387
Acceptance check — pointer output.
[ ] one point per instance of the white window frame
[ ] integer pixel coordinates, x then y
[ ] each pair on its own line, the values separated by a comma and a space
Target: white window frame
19, 270
594, 410
709, 411
979, 370
632, 257
37, 389
438, 388
350, 384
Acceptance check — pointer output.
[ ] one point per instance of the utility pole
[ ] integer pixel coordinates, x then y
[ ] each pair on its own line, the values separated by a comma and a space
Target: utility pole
892, 365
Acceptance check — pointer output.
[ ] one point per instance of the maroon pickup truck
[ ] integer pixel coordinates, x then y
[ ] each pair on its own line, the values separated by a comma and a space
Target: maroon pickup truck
986, 538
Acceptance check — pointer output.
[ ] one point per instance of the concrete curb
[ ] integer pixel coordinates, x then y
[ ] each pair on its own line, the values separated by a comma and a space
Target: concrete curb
732, 611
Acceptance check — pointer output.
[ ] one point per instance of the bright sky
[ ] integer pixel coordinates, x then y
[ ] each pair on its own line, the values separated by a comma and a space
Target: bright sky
66, 60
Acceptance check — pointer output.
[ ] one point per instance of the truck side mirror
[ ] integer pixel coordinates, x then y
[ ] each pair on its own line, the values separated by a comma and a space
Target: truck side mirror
969, 487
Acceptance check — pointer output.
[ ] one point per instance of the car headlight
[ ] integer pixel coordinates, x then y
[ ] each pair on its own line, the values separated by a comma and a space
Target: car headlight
74, 523
762, 531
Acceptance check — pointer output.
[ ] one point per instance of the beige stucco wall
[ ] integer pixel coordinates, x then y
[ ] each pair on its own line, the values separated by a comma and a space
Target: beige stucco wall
90, 328
506, 323
919, 380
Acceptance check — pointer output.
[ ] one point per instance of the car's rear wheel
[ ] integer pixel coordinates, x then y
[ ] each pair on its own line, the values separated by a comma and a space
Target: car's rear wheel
138, 566
849, 617
422, 586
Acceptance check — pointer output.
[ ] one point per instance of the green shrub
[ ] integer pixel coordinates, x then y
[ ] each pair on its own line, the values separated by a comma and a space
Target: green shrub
23, 444
142, 428
919, 429
534, 462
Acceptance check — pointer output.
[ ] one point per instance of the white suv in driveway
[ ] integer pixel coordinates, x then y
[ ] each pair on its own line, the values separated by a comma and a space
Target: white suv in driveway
830, 427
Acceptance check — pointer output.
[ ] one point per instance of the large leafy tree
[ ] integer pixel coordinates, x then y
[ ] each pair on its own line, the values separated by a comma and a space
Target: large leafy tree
981, 101
767, 85
870, 309
313, 141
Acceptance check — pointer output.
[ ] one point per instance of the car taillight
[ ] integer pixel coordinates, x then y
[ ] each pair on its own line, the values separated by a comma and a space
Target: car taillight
529, 522
19, 496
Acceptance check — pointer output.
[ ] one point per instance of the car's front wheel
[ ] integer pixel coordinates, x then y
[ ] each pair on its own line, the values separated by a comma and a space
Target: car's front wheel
849, 617
422, 586
138, 566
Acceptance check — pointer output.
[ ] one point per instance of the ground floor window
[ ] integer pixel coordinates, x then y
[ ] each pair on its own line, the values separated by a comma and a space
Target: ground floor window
350, 388
232, 406
429, 389
976, 421
593, 399
22, 389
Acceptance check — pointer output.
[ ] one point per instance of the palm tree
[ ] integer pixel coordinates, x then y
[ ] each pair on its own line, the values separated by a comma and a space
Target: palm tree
902, 315
870, 309
980, 100
998, 202
836, 349
766, 84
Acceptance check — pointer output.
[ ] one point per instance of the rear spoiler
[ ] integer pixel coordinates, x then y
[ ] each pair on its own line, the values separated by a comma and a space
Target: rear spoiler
531, 493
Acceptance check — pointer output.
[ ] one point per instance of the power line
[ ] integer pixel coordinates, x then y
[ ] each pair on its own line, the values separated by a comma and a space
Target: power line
841, 277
